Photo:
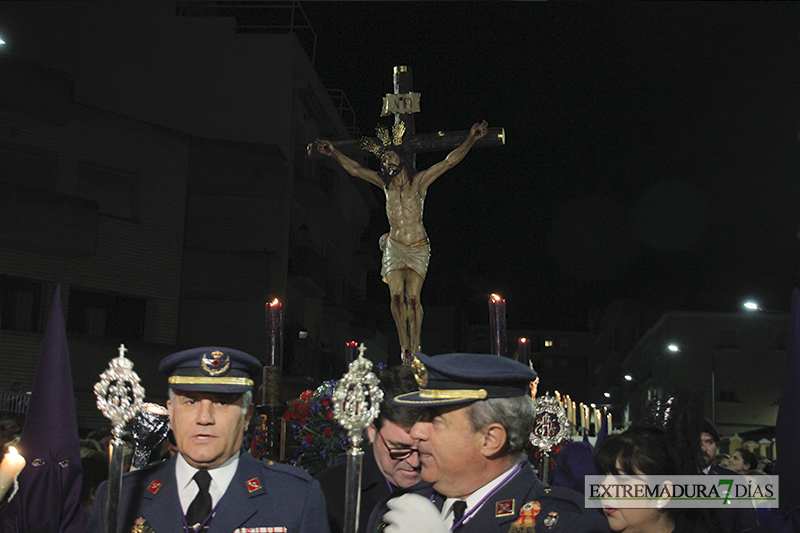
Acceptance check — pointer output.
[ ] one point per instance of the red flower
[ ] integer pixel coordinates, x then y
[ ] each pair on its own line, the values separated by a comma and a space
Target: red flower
329, 415
306, 395
325, 402
328, 432
309, 438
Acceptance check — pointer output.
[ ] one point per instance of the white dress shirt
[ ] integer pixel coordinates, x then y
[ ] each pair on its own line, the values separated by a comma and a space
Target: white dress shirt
221, 477
473, 499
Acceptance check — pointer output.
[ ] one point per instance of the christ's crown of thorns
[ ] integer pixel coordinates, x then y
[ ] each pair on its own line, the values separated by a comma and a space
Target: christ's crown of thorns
385, 140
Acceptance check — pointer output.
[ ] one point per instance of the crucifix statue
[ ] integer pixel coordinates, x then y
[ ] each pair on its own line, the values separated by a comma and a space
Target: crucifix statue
406, 248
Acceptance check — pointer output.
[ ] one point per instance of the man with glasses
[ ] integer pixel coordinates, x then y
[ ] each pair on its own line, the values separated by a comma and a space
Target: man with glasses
391, 464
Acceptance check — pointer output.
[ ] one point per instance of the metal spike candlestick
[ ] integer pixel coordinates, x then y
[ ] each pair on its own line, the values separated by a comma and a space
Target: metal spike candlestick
356, 403
119, 398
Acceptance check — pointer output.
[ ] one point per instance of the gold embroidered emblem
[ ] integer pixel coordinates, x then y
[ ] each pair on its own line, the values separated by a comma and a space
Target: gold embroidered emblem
217, 364
420, 373
140, 527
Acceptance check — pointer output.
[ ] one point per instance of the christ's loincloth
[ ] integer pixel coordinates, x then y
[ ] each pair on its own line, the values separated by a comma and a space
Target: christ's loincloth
397, 255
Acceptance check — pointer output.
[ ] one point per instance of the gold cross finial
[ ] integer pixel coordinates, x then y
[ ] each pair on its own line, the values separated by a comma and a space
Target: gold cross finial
361, 350
122, 350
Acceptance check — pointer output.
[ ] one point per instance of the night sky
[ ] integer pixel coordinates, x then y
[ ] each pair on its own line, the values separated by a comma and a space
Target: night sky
652, 148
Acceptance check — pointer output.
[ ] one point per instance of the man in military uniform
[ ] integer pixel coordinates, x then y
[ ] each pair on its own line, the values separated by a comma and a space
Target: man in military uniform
210, 485
478, 417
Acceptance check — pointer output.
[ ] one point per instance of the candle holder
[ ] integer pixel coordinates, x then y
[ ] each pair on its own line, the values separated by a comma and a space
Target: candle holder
271, 406
497, 325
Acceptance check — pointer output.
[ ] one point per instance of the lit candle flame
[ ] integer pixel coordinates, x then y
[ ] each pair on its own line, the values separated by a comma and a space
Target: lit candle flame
12, 465
13, 454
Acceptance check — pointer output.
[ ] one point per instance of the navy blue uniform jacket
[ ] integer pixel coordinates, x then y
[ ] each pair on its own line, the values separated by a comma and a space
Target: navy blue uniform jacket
261, 495
562, 509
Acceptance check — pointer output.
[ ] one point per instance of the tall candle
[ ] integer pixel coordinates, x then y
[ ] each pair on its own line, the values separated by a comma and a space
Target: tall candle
12, 465
609, 422
525, 353
274, 333
497, 324
350, 351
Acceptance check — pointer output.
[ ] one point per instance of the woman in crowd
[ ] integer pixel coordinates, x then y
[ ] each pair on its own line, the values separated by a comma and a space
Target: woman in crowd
743, 460
657, 448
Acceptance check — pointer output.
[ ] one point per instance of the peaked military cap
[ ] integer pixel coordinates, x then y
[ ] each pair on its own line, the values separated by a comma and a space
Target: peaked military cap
457, 378
211, 369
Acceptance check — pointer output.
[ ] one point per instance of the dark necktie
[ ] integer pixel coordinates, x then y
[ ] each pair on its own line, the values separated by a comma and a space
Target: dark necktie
459, 506
200, 507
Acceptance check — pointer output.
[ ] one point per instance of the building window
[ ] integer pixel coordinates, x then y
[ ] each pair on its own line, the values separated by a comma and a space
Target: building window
21, 301
728, 396
106, 315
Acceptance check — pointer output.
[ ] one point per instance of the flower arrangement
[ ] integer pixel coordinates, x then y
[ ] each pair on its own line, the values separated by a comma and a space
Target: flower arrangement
310, 420
317, 435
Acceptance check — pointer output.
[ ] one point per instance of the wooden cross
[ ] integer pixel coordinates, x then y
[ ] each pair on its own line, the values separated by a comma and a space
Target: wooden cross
403, 103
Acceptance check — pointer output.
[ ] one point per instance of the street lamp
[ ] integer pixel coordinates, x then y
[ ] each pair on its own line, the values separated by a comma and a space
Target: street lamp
674, 348
628, 377
752, 306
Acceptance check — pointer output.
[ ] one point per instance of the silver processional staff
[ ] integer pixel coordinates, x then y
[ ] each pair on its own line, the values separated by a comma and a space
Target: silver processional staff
356, 403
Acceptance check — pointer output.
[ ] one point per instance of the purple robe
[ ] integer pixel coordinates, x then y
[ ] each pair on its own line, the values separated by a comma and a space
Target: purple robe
48, 499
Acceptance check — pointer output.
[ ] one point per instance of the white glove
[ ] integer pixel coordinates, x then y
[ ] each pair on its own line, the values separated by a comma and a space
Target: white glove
411, 513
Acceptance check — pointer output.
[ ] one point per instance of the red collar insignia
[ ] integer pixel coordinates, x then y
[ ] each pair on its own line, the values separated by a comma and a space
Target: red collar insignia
253, 484
504, 508
154, 486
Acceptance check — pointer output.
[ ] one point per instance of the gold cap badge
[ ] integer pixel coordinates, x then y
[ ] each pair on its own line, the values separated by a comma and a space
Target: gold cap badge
420, 373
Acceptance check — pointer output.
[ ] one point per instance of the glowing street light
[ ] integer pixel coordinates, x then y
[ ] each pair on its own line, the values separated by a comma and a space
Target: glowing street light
751, 306
673, 348
628, 377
